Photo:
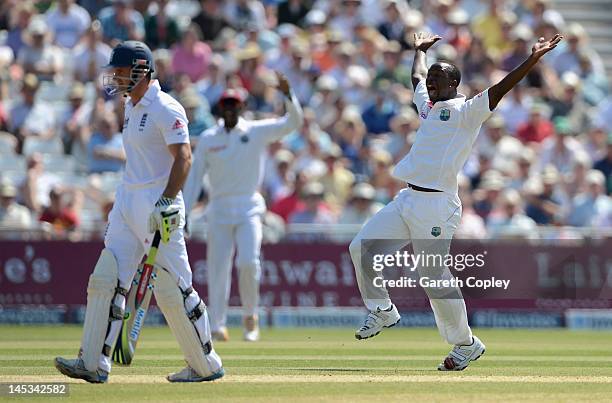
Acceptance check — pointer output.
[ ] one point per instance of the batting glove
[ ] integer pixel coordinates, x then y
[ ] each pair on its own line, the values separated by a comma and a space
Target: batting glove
166, 217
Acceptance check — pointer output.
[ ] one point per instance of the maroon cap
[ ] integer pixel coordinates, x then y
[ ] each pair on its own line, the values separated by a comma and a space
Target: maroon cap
239, 94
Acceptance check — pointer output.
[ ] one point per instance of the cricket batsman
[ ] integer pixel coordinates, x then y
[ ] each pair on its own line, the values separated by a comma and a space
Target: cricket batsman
428, 210
148, 200
232, 154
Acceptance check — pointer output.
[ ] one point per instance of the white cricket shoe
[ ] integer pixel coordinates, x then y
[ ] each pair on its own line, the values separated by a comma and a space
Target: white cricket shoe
251, 328
461, 356
220, 335
189, 374
376, 321
76, 369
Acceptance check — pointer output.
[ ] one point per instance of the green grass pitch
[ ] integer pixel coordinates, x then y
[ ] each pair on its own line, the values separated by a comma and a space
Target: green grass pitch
330, 365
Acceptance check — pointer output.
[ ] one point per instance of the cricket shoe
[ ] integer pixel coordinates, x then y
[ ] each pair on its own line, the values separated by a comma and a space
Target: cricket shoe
220, 335
376, 321
461, 356
189, 374
251, 328
76, 369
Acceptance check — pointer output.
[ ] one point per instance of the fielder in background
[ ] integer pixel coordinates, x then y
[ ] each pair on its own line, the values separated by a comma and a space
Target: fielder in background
158, 154
232, 154
428, 210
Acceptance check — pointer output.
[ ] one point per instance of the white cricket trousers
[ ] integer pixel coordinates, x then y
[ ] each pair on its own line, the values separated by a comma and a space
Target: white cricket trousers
426, 219
223, 240
128, 236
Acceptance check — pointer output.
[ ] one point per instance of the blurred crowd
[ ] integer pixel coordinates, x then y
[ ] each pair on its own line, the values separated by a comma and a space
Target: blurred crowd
543, 160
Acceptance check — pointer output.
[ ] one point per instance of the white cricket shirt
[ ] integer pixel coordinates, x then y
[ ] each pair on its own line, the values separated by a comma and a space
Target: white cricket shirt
234, 160
155, 122
443, 142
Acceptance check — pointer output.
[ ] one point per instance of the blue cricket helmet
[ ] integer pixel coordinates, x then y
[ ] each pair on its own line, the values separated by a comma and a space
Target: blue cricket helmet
132, 54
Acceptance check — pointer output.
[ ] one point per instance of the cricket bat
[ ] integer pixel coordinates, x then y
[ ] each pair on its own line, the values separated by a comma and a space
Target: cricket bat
136, 306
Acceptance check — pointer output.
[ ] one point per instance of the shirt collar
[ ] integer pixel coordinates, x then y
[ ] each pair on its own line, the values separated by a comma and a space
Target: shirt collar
241, 126
460, 98
151, 93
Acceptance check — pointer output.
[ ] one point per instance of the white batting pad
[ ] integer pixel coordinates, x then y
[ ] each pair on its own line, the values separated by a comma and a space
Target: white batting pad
170, 300
100, 291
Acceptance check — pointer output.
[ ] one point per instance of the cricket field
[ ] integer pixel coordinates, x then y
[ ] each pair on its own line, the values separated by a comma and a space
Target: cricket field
330, 365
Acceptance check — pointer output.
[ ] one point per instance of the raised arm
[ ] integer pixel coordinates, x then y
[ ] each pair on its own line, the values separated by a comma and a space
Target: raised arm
422, 42
542, 46
273, 129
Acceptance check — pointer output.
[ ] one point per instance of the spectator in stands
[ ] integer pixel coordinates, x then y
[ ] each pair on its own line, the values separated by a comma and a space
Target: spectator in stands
31, 118
163, 69
509, 221
560, 150
537, 128
544, 204
191, 56
488, 193
315, 211
403, 133
12, 215
602, 116
161, 30
68, 22
347, 19
540, 12
520, 37
594, 84
472, 226
210, 19
105, 149
515, 108
279, 176
38, 56
574, 182
75, 122
488, 25
577, 44
21, 17
120, 22
523, 170
379, 113
605, 165
393, 27
241, 13
62, 211
286, 206
37, 184
197, 112
250, 58
90, 54
392, 69
349, 135
293, 12
362, 205
495, 142
338, 180
569, 104
213, 85
592, 208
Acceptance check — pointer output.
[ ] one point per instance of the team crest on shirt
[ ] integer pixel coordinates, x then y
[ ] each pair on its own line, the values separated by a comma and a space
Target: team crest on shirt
436, 231
143, 122
444, 114
244, 139
178, 124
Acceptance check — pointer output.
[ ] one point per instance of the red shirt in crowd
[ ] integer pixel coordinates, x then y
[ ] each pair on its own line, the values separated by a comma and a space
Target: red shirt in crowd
530, 132
66, 219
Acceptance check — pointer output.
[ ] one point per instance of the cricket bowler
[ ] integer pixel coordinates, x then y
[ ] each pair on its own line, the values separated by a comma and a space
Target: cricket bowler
149, 200
232, 154
428, 209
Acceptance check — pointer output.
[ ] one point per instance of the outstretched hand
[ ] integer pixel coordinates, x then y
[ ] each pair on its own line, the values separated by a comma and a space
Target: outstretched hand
542, 46
283, 84
423, 41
